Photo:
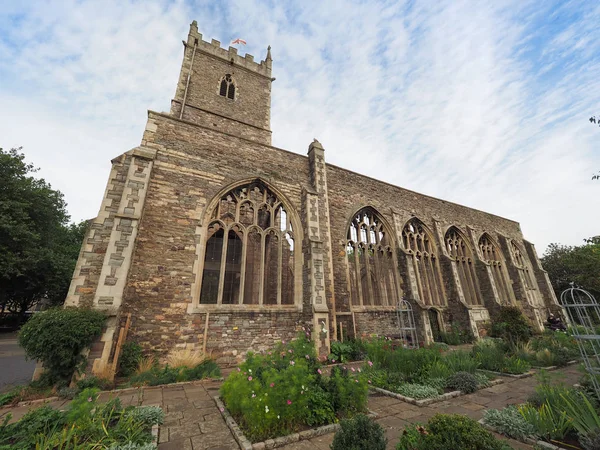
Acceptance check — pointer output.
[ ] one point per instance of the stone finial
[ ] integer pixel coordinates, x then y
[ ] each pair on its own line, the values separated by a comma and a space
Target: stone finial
268, 60
315, 144
269, 54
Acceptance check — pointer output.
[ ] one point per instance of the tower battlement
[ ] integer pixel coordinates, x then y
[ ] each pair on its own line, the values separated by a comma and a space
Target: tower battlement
214, 48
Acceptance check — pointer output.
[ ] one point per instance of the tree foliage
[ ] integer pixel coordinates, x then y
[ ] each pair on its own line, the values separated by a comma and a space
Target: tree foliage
574, 264
38, 247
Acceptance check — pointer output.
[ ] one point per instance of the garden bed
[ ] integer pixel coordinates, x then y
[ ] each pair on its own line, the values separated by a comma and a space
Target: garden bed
530, 441
517, 376
429, 401
277, 442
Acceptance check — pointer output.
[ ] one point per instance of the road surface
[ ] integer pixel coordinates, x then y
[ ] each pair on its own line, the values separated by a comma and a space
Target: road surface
14, 368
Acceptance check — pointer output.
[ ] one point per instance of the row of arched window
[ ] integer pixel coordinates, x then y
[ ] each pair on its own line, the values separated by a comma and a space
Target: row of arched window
250, 257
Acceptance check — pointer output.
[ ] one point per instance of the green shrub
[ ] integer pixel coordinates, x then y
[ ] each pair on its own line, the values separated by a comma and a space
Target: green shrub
94, 382
23, 434
359, 433
418, 391
510, 325
57, 337
490, 354
483, 380
457, 336
461, 361
131, 354
547, 422
463, 381
449, 432
352, 350
515, 365
206, 369
156, 376
283, 391
438, 384
439, 369
439, 346
510, 422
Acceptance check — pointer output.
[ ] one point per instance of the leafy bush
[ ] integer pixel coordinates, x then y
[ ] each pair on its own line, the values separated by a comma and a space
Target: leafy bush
510, 325
282, 391
418, 391
359, 433
131, 354
482, 380
461, 361
457, 336
57, 337
509, 422
449, 431
340, 352
32, 391
515, 365
547, 422
87, 424
463, 381
439, 346
157, 375
490, 354
94, 382
438, 384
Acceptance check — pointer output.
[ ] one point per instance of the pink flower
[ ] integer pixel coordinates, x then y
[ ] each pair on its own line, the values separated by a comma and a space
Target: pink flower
89, 399
345, 368
272, 384
253, 395
353, 369
289, 402
333, 360
290, 351
370, 364
222, 409
307, 357
369, 381
239, 370
282, 341
356, 381
292, 363
249, 378
319, 370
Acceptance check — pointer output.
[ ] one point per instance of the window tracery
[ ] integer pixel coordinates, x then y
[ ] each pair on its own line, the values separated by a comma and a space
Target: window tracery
424, 259
492, 255
460, 252
227, 88
523, 266
250, 255
372, 275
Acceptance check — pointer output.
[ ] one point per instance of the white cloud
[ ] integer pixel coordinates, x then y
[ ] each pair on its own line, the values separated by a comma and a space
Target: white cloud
480, 104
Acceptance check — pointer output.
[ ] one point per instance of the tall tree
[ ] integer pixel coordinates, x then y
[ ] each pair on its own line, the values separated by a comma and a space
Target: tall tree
578, 264
38, 247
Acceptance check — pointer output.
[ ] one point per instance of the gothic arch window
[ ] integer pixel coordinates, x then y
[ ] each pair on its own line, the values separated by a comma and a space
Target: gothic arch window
522, 264
371, 268
227, 87
492, 255
250, 254
460, 252
423, 256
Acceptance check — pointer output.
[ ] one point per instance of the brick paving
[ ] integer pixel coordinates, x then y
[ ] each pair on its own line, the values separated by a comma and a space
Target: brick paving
192, 421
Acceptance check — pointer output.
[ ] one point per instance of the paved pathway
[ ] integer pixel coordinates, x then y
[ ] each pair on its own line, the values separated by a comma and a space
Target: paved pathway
192, 421
14, 368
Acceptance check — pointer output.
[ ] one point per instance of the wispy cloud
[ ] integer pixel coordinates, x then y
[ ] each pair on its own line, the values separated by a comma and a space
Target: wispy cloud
480, 103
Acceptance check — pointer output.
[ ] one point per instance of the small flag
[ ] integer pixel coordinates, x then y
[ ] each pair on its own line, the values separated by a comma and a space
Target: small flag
238, 41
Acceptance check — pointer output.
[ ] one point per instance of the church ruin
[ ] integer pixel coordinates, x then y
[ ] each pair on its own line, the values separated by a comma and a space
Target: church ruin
214, 239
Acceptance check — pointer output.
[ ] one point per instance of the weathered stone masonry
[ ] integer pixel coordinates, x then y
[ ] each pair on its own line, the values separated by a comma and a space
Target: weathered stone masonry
213, 239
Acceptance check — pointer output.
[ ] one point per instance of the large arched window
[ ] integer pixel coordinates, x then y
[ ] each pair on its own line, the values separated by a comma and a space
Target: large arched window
372, 275
460, 252
227, 88
250, 256
522, 264
420, 246
492, 255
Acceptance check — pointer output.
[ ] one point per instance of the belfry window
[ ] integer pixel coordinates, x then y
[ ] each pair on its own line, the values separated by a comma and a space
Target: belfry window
492, 255
371, 269
250, 254
227, 88
418, 242
460, 252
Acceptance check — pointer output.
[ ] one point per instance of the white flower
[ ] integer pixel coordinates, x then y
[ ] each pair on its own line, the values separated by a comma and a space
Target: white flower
266, 409
278, 416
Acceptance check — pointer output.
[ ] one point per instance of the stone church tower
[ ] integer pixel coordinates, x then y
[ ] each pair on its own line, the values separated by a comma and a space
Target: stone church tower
214, 239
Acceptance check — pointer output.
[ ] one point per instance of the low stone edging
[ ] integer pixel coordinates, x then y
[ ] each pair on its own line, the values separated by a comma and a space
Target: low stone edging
245, 443
510, 375
529, 441
549, 368
119, 391
429, 401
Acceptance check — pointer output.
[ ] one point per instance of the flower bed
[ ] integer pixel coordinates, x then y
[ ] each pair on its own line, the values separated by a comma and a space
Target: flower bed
284, 391
86, 424
559, 416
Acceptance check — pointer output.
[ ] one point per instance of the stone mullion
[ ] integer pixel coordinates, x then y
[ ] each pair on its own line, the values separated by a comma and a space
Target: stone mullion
243, 268
379, 278
223, 266
357, 271
281, 238
351, 289
473, 281
391, 275
261, 288
418, 276
368, 274
439, 282
426, 281
431, 281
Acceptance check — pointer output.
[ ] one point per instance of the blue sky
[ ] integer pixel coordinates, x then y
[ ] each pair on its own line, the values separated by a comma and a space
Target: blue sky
480, 103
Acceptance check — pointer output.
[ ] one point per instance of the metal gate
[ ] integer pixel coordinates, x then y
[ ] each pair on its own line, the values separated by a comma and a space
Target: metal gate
406, 324
583, 313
